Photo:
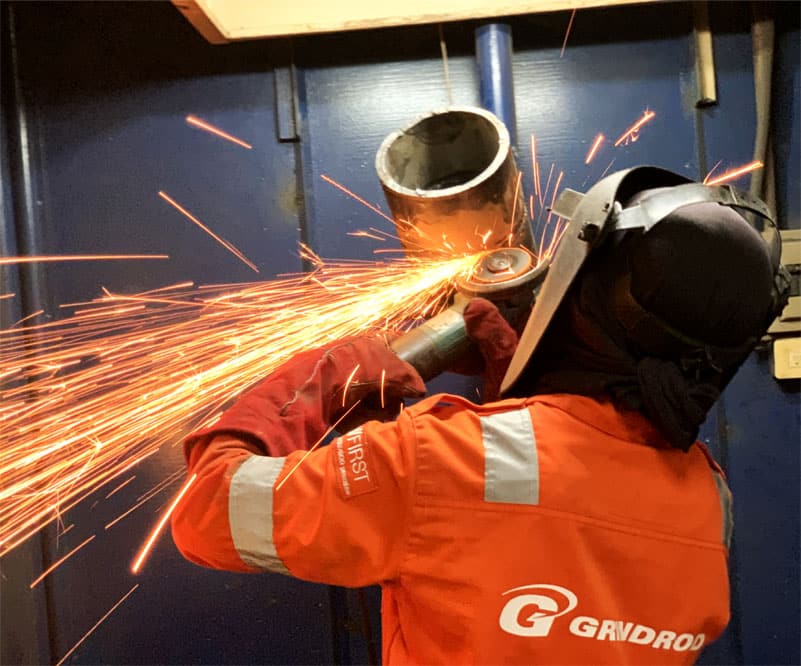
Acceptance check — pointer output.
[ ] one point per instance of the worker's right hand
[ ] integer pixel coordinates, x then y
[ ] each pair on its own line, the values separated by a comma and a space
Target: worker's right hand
496, 341
293, 407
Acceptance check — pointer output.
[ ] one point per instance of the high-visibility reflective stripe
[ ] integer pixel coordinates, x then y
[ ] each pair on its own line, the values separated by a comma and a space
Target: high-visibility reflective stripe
511, 469
250, 512
724, 495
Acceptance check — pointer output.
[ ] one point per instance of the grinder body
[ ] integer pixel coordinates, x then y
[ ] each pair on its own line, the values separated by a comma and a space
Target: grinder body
509, 277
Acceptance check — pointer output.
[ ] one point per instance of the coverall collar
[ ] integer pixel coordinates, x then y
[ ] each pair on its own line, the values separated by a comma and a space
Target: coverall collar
602, 414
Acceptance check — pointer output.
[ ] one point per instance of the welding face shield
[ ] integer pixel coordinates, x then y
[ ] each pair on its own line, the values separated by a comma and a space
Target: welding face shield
636, 249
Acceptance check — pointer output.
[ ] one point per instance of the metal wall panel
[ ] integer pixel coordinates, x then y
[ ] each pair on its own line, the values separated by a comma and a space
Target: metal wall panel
756, 426
108, 87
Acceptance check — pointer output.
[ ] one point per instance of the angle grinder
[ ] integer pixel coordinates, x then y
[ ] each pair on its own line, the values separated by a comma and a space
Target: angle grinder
509, 277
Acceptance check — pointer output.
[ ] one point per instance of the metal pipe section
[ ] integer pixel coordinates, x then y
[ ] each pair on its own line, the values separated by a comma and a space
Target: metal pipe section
452, 184
494, 57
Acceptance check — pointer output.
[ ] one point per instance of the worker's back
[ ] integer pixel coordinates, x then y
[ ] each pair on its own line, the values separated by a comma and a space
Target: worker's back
546, 531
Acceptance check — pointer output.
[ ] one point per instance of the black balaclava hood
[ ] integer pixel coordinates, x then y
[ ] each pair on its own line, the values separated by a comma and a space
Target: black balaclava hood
658, 321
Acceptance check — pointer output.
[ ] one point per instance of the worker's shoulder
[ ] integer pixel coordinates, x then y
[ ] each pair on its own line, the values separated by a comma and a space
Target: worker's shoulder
446, 404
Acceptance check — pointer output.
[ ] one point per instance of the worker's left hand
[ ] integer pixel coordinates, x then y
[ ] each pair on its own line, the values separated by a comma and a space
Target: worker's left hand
496, 341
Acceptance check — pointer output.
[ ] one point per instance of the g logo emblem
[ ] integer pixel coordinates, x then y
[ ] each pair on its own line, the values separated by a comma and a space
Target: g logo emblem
530, 614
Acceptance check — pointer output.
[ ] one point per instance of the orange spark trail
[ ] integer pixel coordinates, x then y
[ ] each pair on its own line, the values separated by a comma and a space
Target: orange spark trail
4, 296
26, 318
632, 132
202, 124
317, 443
86, 398
731, 174
567, 33
594, 148
535, 168
221, 241
355, 196
514, 202
712, 170
53, 566
4, 261
97, 624
347, 384
160, 526
121, 486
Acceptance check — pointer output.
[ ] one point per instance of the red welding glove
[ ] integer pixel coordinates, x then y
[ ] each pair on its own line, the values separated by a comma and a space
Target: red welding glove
495, 339
295, 405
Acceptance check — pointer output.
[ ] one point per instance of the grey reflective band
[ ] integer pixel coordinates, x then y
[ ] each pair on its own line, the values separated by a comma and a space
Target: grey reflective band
724, 495
250, 512
656, 207
511, 469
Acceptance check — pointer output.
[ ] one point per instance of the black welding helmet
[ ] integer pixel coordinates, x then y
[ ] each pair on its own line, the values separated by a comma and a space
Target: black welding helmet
623, 230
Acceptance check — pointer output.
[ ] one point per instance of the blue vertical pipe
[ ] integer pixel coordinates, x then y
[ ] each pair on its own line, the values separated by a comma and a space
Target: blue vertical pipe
494, 56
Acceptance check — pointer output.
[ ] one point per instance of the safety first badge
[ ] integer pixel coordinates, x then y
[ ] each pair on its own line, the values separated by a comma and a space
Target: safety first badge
354, 467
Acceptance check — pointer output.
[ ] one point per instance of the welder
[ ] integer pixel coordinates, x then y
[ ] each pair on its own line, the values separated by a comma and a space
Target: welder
570, 518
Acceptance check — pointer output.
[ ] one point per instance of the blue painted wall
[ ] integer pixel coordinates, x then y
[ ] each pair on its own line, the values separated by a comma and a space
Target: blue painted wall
100, 92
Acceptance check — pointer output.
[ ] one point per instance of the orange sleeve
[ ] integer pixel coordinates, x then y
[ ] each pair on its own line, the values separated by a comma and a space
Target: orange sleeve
341, 516
200, 521
338, 515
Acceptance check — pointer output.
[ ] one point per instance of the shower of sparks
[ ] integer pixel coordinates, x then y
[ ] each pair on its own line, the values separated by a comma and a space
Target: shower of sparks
567, 33
221, 241
732, 174
5, 296
594, 148
4, 261
140, 558
85, 398
97, 624
202, 124
55, 564
633, 132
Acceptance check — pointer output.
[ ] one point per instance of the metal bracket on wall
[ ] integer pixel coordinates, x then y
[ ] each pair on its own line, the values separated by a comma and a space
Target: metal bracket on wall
285, 80
786, 329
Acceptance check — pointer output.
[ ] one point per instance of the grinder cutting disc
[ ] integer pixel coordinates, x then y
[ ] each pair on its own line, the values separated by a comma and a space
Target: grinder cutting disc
502, 270
509, 277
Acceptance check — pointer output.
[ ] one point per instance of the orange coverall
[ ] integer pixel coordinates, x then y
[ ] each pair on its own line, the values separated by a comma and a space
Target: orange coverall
552, 530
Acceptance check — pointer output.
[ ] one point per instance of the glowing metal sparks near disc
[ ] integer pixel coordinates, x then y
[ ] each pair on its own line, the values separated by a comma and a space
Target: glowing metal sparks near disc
85, 398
